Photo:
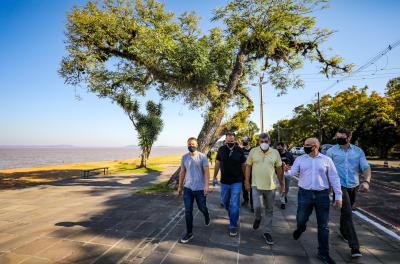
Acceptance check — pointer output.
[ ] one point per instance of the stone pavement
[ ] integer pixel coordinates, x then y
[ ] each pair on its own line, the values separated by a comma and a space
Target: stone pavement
101, 220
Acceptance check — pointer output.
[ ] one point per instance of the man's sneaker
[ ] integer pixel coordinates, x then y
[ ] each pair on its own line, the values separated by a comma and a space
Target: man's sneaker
296, 234
283, 206
186, 238
268, 238
326, 259
256, 223
343, 236
233, 232
207, 220
355, 253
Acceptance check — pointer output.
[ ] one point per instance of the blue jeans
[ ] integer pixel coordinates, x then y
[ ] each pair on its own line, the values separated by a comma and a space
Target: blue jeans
307, 201
188, 198
230, 194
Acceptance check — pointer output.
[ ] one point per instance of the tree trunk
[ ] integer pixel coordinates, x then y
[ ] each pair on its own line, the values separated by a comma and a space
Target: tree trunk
215, 113
144, 157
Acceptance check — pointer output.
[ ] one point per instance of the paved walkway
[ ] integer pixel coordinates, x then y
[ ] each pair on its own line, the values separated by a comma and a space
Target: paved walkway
101, 220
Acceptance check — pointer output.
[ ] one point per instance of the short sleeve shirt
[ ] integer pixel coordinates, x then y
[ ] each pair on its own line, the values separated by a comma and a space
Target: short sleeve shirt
194, 166
263, 167
231, 164
348, 164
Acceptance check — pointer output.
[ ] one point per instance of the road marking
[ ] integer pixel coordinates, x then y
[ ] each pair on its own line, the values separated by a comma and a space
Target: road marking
377, 225
372, 222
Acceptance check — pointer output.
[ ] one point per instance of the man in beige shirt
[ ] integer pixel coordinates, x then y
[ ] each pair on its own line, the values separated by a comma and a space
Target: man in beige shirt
264, 164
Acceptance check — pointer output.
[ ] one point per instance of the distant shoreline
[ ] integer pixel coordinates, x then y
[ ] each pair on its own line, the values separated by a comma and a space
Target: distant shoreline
28, 157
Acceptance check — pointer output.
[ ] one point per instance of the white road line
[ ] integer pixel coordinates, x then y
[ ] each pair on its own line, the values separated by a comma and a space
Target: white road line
377, 225
372, 222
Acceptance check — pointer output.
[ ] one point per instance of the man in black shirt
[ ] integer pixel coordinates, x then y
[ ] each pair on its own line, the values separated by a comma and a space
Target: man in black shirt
231, 160
287, 161
247, 195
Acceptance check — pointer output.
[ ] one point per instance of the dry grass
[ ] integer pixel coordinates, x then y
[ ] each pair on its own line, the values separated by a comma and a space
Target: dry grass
23, 177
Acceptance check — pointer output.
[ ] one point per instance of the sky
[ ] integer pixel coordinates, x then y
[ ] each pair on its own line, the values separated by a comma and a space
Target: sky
37, 108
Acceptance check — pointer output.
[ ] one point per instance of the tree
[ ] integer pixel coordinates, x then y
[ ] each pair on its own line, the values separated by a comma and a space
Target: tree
136, 44
370, 117
148, 126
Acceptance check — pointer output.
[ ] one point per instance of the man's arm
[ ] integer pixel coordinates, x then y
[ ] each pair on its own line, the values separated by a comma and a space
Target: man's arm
182, 174
281, 178
206, 170
335, 183
247, 177
216, 168
366, 173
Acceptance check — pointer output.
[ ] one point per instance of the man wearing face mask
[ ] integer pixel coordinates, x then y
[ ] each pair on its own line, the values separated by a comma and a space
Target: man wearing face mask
246, 195
349, 161
287, 161
263, 164
230, 159
316, 173
194, 180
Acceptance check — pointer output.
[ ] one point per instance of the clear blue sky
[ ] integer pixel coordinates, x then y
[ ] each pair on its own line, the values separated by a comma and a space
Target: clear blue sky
37, 108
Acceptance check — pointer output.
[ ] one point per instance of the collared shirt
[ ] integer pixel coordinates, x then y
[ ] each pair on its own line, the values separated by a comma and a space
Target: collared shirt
263, 167
194, 166
348, 164
314, 173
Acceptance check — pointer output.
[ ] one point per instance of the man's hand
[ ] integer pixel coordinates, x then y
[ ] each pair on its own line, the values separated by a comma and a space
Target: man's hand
286, 168
179, 192
206, 189
364, 187
338, 204
247, 185
282, 189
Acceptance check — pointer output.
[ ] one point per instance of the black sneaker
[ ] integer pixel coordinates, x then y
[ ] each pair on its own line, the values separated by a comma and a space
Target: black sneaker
355, 253
233, 232
186, 238
268, 238
207, 220
326, 259
256, 223
296, 234
283, 206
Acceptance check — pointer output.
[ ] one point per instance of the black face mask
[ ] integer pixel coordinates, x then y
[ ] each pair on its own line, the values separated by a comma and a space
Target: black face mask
308, 150
281, 151
192, 149
245, 144
230, 145
341, 141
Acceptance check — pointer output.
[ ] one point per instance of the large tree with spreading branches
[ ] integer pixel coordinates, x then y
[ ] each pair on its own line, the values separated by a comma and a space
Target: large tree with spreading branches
121, 44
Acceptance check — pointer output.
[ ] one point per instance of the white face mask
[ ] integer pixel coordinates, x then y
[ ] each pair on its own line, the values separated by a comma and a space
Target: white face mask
264, 146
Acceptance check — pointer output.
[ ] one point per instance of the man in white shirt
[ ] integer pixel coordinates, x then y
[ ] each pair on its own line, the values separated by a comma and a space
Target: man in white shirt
316, 173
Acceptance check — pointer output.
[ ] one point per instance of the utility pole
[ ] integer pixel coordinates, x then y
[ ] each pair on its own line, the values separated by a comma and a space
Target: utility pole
260, 86
319, 120
279, 135
261, 103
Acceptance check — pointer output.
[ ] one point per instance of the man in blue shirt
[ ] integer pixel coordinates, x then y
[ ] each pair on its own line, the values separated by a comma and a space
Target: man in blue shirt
349, 161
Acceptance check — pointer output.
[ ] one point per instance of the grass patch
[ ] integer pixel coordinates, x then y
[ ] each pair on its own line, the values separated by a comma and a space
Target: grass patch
124, 168
161, 187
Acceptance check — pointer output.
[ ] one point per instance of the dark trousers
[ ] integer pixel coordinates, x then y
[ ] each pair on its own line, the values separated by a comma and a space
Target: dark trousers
188, 198
346, 217
307, 201
247, 196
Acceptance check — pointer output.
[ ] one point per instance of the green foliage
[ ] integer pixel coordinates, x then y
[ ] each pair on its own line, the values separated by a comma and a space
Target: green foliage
372, 118
123, 48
